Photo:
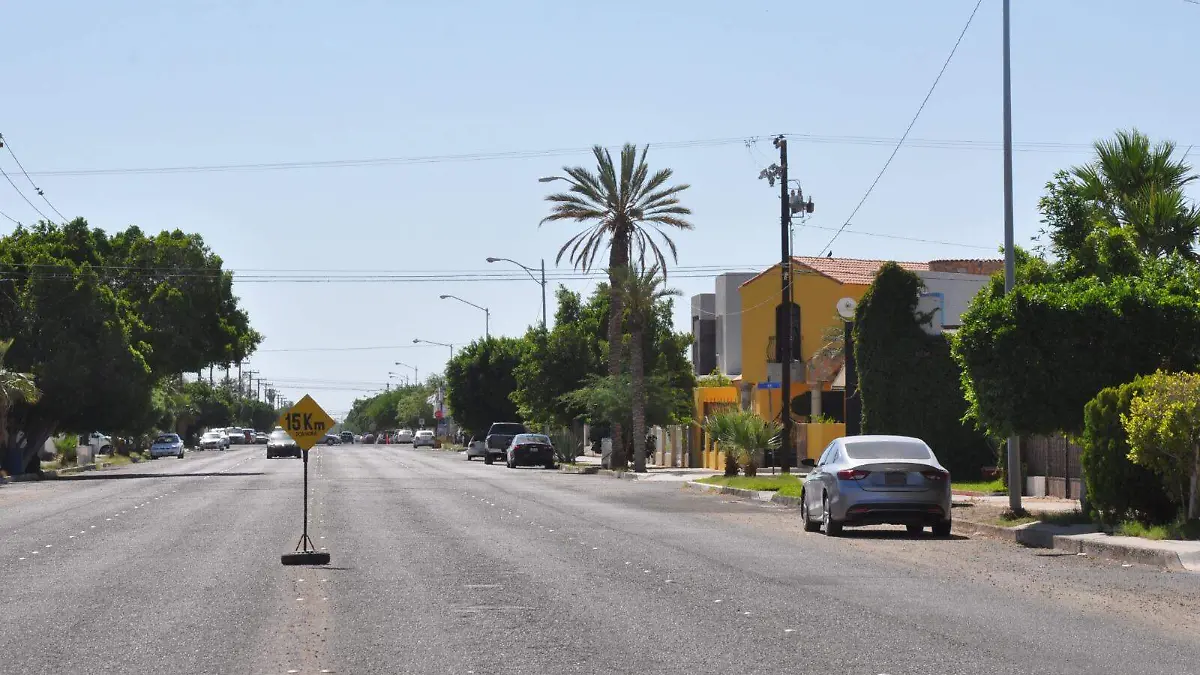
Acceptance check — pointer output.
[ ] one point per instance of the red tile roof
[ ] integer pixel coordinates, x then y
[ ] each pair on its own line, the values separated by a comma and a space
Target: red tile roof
845, 270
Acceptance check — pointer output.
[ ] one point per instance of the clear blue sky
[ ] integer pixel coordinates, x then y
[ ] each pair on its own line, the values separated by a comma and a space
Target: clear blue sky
129, 83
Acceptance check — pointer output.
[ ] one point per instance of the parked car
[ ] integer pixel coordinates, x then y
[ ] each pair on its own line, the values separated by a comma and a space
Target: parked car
531, 450
404, 436
331, 439
233, 437
424, 437
99, 442
261, 438
876, 480
347, 437
213, 440
476, 447
368, 438
280, 444
167, 445
499, 437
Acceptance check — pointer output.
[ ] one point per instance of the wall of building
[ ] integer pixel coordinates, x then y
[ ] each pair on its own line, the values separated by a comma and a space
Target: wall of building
980, 267
704, 333
948, 295
729, 322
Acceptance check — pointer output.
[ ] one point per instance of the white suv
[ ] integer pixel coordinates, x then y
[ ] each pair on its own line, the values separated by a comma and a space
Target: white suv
404, 436
423, 437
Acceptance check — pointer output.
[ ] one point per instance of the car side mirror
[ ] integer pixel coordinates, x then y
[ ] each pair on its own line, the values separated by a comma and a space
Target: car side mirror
808, 461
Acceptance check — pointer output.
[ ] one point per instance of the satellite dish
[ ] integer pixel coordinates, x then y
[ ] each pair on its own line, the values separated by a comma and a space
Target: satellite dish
845, 308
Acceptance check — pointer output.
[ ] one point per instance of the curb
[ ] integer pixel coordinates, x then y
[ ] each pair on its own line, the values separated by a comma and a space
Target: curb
579, 470
626, 475
1029, 534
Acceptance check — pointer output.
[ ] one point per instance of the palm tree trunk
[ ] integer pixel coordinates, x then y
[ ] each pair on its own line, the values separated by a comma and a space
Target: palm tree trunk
618, 260
636, 368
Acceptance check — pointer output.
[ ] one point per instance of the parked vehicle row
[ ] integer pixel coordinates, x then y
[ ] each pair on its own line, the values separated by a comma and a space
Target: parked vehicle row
167, 445
513, 443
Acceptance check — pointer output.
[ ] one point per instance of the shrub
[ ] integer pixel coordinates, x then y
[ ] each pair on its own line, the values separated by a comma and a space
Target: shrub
1118, 489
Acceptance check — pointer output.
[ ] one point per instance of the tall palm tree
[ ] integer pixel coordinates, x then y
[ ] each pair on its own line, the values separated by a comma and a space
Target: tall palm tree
14, 388
624, 209
640, 291
1139, 186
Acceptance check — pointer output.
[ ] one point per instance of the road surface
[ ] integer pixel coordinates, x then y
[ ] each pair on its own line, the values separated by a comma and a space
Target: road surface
445, 566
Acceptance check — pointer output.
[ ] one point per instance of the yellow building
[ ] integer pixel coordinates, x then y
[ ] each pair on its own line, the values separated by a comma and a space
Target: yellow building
818, 283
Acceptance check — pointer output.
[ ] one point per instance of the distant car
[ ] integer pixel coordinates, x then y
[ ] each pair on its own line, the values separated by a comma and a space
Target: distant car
422, 437
213, 440
347, 437
280, 444
358, 438
332, 439
499, 437
530, 450
167, 445
476, 448
233, 437
260, 438
367, 438
404, 436
876, 480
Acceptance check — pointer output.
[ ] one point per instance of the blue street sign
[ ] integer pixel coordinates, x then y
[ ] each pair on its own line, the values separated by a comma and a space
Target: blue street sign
768, 385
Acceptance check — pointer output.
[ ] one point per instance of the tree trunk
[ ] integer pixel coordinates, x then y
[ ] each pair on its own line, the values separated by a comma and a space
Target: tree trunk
1193, 498
618, 260
636, 368
731, 463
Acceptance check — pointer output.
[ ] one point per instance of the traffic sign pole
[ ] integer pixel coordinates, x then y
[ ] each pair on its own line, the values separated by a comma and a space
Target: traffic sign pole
305, 422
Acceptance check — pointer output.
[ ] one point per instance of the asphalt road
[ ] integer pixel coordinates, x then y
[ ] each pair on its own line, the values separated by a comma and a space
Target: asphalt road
445, 566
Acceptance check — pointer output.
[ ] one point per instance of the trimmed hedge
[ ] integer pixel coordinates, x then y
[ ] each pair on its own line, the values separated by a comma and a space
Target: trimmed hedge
1117, 488
908, 380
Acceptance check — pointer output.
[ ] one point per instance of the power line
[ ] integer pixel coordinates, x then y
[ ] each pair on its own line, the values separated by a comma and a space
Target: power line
4, 142
31, 204
927, 143
14, 220
913, 122
903, 238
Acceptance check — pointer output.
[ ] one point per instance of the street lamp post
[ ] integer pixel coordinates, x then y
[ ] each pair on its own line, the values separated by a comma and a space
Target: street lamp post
1015, 479
416, 373
398, 376
440, 344
529, 271
487, 315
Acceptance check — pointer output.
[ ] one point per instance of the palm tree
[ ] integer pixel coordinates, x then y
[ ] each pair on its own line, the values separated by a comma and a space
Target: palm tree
624, 210
640, 292
14, 388
742, 434
1139, 186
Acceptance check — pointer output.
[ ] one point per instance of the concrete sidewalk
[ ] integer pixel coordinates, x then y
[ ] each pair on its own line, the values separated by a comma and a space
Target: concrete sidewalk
653, 473
1178, 556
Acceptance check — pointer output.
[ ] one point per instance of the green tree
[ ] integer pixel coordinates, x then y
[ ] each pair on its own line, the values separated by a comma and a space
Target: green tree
481, 381
559, 361
907, 378
624, 207
1163, 425
413, 406
15, 387
640, 292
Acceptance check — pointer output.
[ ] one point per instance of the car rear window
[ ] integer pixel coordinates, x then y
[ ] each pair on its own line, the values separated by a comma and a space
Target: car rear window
508, 428
886, 450
533, 438
280, 436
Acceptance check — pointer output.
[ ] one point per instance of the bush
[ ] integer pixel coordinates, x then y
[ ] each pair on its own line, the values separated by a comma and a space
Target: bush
67, 447
1118, 489
909, 382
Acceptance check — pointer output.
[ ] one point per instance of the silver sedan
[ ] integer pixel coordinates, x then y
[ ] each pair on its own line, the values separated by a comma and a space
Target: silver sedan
876, 480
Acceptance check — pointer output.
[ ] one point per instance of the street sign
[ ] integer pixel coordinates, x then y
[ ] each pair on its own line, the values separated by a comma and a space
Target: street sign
768, 385
421, 421
306, 423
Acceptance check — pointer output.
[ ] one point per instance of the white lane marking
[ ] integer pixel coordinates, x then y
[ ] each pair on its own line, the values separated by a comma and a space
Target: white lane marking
789, 630
595, 548
20, 558
669, 581
49, 545
716, 601
745, 613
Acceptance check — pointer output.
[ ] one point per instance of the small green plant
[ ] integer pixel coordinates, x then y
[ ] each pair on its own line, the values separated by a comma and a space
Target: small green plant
821, 419
714, 379
1179, 529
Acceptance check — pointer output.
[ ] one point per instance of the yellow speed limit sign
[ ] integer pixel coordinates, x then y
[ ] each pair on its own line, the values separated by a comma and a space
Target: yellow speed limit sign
306, 423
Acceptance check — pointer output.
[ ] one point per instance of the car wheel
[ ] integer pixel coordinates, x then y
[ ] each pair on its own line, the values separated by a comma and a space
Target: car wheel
832, 527
942, 529
810, 525
181, 455
915, 529
487, 459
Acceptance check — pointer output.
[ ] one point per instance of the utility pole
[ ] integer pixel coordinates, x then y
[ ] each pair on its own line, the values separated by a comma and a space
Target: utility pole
544, 324
784, 331
1013, 470
250, 374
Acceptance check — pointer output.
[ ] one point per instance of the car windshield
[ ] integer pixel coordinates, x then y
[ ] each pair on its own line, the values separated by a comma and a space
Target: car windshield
532, 438
508, 428
212, 434
886, 450
167, 438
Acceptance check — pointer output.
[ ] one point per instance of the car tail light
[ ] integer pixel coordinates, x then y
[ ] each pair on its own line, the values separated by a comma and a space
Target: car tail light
852, 474
934, 474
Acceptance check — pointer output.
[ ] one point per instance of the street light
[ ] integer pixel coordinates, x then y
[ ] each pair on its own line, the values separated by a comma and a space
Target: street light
440, 344
416, 373
398, 376
529, 271
487, 316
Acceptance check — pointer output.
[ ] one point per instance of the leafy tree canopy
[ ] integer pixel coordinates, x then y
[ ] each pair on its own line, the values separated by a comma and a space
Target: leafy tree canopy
481, 381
